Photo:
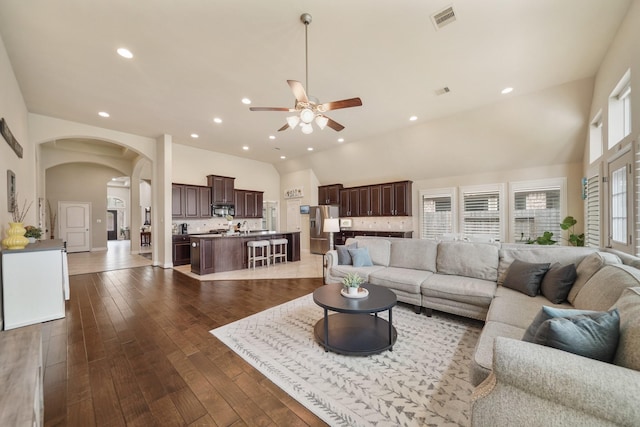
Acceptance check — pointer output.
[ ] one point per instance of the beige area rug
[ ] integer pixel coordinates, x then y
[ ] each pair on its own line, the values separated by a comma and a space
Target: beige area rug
424, 381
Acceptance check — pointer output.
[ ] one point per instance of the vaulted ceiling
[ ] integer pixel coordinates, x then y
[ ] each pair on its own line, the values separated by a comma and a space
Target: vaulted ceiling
194, 61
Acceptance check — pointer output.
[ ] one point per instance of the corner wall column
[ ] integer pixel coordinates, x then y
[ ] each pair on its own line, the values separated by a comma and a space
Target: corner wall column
161, 190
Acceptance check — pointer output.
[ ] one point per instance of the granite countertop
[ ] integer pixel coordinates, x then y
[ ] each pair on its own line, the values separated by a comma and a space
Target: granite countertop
39, 245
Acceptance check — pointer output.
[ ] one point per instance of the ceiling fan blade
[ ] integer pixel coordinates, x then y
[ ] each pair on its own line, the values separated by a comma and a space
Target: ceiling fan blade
298, 91
345, 103
334, 125
285, 127
271, 109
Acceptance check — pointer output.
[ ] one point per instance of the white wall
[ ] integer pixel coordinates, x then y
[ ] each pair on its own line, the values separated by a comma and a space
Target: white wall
14, 111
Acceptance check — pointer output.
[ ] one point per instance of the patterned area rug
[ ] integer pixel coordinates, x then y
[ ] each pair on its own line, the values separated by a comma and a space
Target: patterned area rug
424, 381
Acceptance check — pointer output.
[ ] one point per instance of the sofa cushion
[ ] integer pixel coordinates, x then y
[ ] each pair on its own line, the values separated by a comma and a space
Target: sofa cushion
587, 268
557, 282
517, 309
340, 271
590, 335
379, 249
628, 305
459, 288
604, 288
404, 279
483, 354
360, 257
344, 258
419, 254
548, 313
525, 277
477, 260
536, 253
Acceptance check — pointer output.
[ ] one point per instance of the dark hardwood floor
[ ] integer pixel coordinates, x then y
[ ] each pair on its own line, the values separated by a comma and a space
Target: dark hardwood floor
135, 349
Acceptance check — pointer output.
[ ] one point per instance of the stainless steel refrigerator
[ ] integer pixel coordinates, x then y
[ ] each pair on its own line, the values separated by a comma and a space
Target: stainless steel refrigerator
317, 215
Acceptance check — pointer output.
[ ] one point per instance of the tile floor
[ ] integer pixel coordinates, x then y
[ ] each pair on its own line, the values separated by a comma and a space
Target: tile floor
118, 256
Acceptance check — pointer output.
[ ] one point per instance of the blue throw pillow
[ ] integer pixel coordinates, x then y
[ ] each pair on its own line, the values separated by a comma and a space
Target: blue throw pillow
360, 257
589, 335
344, 257
547, 313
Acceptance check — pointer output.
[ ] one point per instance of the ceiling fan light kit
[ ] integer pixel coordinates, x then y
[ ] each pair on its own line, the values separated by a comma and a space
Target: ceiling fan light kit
308, 109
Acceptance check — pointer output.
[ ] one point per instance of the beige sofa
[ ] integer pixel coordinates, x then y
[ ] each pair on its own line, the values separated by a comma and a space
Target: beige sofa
465, 279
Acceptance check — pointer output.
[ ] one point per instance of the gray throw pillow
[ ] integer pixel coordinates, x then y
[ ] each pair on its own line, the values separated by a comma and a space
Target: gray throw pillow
360, 257
525, 277
344, 258
547, 313
590, 335
557, 282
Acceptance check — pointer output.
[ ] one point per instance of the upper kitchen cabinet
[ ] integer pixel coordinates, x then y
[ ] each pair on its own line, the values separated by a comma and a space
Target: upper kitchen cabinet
190, 201
349, 202
177, 201
396, 199
329, 194
222, 189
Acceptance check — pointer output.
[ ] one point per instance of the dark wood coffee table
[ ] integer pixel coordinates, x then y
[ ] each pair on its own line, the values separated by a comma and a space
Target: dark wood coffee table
356, 328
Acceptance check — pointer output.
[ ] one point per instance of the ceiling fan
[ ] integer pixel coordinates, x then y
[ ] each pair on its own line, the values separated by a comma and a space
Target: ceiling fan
308, 109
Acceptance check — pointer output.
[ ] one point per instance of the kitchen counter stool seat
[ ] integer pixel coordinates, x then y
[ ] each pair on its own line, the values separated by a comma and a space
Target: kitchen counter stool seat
279, 250
257, 250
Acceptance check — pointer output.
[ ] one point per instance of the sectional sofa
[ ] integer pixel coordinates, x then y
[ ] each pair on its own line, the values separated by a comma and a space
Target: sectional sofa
519, 383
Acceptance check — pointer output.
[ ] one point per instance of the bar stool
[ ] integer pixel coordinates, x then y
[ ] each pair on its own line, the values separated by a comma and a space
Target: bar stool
257, 250
278, 250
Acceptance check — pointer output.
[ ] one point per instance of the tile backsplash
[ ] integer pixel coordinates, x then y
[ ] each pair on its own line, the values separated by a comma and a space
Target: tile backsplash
204, 225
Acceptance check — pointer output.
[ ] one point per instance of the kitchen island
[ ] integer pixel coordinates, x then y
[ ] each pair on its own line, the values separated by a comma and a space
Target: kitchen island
214, 253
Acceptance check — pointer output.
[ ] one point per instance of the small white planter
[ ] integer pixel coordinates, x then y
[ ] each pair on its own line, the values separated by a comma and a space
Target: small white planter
352, 291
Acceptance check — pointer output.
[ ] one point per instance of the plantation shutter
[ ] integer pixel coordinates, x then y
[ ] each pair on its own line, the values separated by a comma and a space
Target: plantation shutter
481, 214
593, 212
437, 216
536, 211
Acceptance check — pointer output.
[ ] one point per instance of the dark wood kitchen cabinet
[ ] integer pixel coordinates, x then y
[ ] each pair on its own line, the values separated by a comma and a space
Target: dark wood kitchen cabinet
349, 202
181, 249
396, 199
221, 189
248, 203
192, 201
177, 201
239, 198
204, 207
329, 194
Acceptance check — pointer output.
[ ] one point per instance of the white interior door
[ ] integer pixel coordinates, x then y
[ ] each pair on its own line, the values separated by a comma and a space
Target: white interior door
293, 215
75, 225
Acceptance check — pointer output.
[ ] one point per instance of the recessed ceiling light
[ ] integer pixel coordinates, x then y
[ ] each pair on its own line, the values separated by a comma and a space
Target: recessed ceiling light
217, 120
507, 90
283, 157
194, 135
245, 148
272, 137
340, 139
125, 53
246, 101
103, 114
413, 118
310, 149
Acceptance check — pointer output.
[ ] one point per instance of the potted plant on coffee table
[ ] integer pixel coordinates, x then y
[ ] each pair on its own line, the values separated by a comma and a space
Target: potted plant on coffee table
352, 282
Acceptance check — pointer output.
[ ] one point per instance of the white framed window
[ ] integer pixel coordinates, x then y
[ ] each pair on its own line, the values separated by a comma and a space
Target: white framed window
482, 212
620, 212
439, 213
595, 138
592, 229
620, 111
536, 206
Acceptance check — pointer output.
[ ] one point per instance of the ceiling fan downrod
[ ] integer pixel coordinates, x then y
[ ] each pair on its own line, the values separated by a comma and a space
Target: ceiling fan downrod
306, 20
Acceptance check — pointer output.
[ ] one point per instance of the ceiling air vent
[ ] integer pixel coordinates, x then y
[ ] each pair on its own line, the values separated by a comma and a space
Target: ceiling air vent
443, 90
443, 17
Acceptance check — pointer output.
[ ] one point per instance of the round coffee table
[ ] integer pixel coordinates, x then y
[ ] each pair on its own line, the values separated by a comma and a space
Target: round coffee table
356, 328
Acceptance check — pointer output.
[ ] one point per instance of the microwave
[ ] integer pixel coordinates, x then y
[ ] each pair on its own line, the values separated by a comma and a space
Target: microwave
221, 211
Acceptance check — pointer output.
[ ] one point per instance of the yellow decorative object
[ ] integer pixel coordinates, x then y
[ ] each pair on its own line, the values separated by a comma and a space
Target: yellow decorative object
16, 239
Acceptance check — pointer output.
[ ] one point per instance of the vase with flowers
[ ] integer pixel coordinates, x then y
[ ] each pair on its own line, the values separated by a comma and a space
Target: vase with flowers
16, 231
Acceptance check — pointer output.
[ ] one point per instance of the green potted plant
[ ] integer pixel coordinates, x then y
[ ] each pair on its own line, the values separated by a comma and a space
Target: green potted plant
33, 233
352, 282
567, 224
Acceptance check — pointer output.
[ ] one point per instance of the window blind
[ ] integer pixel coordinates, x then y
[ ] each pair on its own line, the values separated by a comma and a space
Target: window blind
593, 212
534, 212
437, 217
481, 215
619, 205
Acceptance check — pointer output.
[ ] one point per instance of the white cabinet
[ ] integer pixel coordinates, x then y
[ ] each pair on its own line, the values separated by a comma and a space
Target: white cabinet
33, 282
